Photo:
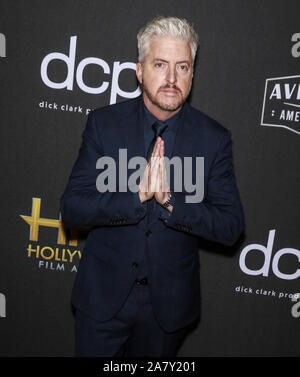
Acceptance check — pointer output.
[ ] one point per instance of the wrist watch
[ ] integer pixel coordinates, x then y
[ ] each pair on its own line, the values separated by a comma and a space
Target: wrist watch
169, 201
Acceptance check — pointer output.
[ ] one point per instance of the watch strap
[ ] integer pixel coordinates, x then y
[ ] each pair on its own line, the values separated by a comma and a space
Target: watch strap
169, 201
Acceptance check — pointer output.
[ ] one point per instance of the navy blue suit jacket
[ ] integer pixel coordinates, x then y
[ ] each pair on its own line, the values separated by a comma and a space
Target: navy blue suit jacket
118, 231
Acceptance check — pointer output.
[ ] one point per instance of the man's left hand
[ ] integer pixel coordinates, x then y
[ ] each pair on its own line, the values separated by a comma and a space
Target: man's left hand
162, 186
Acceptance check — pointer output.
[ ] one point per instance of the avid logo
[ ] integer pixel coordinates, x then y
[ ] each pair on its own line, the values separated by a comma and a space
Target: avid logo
49, 257
2, 46
281, 104
75, 72
2, 305
270, 262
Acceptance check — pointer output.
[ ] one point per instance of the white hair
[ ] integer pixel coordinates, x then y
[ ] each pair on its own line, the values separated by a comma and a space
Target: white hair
166, 27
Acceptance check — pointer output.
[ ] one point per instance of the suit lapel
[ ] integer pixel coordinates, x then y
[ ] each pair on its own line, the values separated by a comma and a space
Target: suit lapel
184, 145
133, 132
185, 138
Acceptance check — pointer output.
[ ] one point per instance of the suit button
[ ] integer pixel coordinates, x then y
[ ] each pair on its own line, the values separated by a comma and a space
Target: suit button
134, 264
148, 233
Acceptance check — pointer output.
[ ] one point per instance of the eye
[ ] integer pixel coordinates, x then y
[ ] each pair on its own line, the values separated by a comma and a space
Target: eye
159, 65
183, 67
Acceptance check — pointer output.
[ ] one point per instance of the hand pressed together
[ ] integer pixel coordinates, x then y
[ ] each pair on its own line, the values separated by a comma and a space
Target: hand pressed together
154, 181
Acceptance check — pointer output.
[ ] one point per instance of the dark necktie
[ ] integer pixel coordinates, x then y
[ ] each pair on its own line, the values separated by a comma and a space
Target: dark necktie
158, 129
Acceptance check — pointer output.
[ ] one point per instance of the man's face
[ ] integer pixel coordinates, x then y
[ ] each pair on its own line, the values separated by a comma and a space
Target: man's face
166, 75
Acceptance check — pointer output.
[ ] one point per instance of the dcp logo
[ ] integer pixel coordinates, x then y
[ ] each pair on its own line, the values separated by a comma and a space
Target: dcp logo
102, 64
267, 254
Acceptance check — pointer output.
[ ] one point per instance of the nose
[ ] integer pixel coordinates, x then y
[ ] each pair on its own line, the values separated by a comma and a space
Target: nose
171, 75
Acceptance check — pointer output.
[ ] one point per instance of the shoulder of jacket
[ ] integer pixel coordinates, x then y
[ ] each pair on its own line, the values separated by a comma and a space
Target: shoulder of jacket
207, 123
120, 109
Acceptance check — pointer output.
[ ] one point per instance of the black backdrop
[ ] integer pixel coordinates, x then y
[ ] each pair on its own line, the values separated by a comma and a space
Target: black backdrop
246, 77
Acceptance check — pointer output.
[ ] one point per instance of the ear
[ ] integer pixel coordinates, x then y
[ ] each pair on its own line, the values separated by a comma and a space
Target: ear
139, 72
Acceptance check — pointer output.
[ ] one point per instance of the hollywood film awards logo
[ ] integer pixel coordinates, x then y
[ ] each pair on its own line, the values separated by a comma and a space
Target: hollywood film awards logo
281, 104
64, 256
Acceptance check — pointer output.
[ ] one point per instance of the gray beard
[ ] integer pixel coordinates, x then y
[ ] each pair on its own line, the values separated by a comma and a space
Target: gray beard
160, 106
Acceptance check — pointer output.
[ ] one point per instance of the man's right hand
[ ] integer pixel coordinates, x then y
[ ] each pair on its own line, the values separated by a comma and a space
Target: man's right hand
150, 179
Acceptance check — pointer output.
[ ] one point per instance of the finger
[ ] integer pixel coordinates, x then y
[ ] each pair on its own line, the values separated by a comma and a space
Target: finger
159, 181
162, 148
154, 173
147, 179
157, 172
161, 176
144, 181
156, 145
155, 154
164, 176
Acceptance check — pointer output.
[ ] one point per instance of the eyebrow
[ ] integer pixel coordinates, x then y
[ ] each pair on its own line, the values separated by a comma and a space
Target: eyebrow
166, 61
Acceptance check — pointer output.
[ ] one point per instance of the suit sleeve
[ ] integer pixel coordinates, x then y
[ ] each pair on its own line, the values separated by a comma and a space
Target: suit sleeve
219, 217
81, 204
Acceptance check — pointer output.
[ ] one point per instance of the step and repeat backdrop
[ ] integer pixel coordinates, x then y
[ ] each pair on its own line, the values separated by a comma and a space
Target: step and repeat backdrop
61, 59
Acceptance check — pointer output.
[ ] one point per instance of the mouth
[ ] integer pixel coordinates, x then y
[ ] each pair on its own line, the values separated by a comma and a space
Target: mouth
170, 90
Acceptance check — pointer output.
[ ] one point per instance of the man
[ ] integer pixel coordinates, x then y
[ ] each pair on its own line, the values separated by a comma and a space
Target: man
137, 287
